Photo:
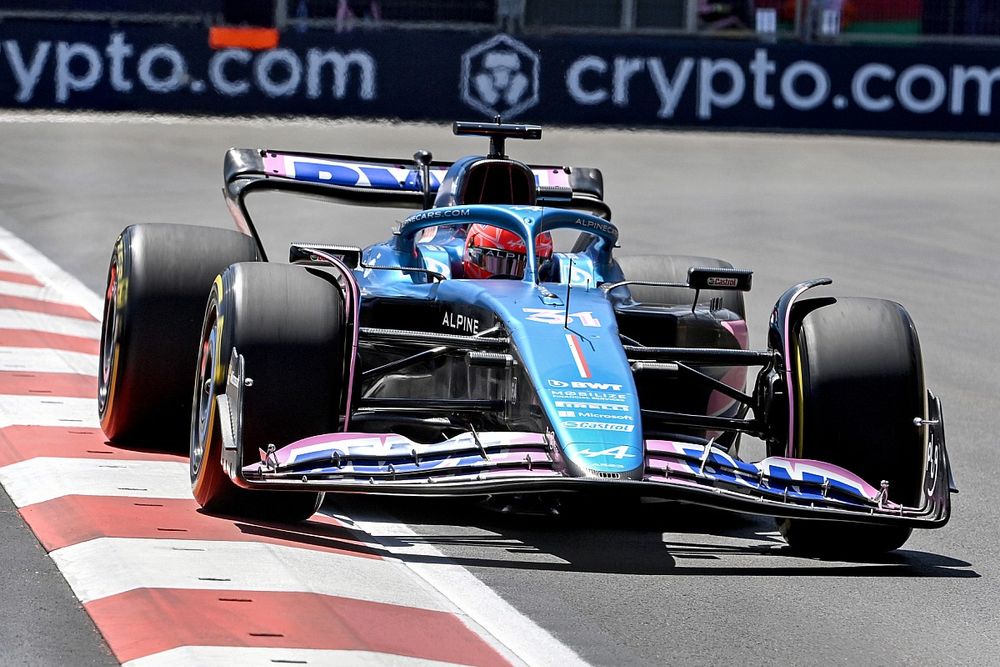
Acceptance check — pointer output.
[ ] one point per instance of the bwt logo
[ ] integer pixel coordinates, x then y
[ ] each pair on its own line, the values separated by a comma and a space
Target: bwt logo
500, 76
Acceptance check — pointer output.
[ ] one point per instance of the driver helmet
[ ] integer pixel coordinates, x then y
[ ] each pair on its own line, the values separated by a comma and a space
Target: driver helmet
492, 251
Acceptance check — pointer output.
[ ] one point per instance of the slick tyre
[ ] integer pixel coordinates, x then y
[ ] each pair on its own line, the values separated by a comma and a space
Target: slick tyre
674, 269
858, 387
287, 323
153, 305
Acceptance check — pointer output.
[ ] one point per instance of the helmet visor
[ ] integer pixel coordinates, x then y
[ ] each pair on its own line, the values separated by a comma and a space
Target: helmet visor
498, 262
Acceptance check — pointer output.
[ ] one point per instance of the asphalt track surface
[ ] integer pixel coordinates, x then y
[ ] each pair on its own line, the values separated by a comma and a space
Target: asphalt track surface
912, 221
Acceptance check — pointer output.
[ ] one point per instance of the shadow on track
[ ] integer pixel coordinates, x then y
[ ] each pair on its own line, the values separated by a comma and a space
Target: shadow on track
628, 538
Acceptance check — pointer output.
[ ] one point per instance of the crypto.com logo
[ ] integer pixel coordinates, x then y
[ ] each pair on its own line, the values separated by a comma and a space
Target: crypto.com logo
500, 76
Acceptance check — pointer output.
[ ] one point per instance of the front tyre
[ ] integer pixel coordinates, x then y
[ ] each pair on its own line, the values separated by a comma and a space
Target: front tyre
287, 323
859, 385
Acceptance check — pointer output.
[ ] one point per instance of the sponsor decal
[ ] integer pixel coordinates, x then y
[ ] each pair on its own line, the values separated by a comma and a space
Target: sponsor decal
500, 76
603, 227
583, 395
722, 282
601, 415
436, 213
460, 322
600, 426
580, 384
802, 85
578, 357
354, 174
566, 413
584, 405
163, 68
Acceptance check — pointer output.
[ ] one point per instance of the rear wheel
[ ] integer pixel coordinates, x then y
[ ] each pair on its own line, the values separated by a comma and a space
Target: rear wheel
674, 269
859, 386
153, 306
287, 324
660, 394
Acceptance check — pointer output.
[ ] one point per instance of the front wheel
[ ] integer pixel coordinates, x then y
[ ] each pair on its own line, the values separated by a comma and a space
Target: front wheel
287, 323
858, 386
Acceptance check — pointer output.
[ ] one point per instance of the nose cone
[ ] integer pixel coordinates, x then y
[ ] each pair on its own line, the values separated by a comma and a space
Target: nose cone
595, 459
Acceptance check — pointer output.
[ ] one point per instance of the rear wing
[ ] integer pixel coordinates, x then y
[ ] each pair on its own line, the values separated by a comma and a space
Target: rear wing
385, 182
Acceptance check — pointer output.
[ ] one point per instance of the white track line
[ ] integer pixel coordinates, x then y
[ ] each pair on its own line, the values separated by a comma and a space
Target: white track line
43, 293
46, 360
50, 274
11, 266
132, 563
48, 411
226, 656
515, 631
498, 622
55, 324
45, 478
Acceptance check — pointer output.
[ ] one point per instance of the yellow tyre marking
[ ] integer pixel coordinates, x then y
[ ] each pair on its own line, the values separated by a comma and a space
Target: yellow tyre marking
116, 350
218, 377
799, 396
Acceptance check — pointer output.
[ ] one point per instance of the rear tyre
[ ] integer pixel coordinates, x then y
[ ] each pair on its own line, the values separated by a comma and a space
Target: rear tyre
153, 306
860, 386
287, 323
674, 269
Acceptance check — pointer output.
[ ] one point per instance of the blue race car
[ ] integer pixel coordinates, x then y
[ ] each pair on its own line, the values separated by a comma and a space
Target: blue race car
468, 356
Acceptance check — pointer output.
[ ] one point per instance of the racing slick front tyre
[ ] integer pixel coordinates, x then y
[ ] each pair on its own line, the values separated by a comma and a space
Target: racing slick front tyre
153, 305
859, 386
674, 269
287, 322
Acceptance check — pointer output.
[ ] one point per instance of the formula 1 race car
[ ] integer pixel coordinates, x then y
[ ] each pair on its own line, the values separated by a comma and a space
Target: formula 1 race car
467, 356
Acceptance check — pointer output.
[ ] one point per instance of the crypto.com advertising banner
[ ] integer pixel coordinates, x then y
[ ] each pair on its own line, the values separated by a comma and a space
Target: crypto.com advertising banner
636, 81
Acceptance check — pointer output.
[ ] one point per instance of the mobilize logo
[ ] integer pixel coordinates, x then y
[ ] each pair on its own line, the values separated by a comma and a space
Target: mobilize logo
580, 384
500, 76
78, 67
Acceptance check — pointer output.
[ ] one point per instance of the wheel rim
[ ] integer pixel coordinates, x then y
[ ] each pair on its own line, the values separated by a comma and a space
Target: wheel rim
204, 393
109, 337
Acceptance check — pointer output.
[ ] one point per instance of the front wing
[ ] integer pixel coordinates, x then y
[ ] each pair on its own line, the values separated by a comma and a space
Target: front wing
504, 462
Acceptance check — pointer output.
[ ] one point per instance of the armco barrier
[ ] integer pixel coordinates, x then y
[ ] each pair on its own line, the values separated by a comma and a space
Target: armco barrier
411, 74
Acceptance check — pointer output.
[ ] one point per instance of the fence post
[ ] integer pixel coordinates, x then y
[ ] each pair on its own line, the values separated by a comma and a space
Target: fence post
628, 15
691, 16
280, 14
800, 22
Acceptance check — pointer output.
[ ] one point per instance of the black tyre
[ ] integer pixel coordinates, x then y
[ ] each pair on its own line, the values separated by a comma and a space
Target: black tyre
287, 323
861, 386
153, 306
674, 394
674, 269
